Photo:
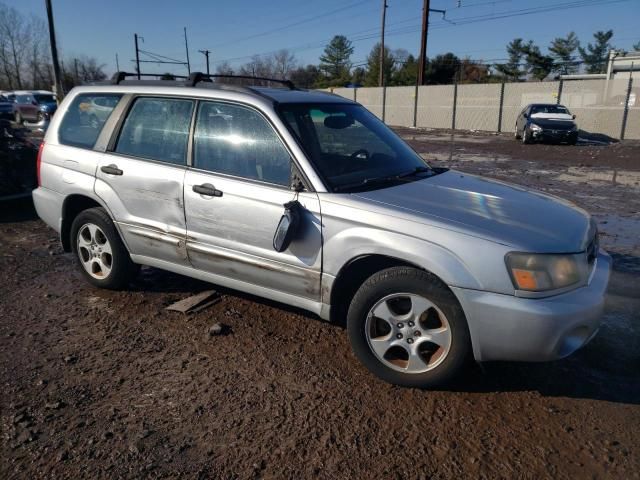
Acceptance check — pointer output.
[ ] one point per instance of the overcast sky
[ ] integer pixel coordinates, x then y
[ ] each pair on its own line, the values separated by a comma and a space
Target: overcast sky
235, 30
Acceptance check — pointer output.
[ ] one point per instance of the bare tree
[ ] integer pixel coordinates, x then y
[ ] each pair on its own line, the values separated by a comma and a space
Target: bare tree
15, 41
224, 68
283, 63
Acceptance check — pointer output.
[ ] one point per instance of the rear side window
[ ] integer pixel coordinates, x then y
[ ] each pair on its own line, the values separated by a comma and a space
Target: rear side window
158, 129
85, 118
238, 141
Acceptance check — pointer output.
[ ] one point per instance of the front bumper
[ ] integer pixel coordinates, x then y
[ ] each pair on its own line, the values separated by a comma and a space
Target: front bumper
506, 327
555, 135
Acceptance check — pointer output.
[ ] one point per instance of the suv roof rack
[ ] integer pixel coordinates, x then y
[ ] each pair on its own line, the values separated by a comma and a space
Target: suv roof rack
193, 79
197, 77
121, 76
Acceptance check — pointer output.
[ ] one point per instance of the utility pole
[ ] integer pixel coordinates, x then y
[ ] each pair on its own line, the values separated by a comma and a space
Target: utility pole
206, 54
117, 64
422, 64
186, 46
135, 38
75, 70
54, 52
381, 78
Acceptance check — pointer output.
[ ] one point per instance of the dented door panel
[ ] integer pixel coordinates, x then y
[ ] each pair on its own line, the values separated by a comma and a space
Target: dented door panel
146, 201
232, 234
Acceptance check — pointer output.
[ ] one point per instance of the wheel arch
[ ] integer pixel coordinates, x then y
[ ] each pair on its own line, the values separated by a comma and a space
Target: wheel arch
71, 208
355, 272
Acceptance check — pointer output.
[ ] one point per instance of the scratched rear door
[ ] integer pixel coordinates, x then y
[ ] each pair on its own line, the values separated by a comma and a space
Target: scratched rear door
141, 179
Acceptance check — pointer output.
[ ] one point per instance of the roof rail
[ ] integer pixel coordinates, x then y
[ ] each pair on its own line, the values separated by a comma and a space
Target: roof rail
196, 77
121, 76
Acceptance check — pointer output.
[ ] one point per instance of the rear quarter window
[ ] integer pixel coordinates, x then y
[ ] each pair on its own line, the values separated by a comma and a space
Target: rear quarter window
85, 117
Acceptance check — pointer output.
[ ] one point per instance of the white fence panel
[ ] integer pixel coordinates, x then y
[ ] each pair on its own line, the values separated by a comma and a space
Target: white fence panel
435, 106
399, 106
478, 106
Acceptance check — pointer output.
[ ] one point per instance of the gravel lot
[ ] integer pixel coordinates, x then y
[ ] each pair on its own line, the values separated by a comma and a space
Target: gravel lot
99, 384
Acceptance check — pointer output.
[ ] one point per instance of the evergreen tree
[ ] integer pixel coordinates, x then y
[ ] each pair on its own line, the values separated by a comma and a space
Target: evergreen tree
305, 77
442, 69
595, 55
406, 72
358, 75
538, 65
373, 66
511, 70
335, 62
563, 49
636, 47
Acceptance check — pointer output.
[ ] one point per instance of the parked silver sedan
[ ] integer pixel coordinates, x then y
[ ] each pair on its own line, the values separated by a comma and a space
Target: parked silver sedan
308, 199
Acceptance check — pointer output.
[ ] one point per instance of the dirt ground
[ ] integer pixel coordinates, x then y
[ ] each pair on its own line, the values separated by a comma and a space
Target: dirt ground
99, 384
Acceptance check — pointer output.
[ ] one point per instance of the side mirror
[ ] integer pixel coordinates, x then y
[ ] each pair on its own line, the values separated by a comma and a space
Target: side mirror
33, 102
287, 226
573, 116
525, 115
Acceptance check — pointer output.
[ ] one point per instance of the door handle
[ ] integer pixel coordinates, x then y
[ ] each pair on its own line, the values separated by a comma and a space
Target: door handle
207, 189
111, 170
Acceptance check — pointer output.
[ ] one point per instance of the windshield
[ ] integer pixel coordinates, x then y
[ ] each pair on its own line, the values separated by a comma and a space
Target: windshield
350, 147
44, 98
549, 109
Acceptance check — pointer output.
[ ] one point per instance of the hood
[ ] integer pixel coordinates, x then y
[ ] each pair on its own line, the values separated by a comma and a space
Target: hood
494, 210
553, 120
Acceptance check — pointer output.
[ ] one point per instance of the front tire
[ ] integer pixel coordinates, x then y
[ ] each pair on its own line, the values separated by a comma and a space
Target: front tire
100, 254
408, 328
526, 136
18, 119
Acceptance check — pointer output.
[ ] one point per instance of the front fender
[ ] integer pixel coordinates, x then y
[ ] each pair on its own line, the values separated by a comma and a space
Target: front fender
348, 244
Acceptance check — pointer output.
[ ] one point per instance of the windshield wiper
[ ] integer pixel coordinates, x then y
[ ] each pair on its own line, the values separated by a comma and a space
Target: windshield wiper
415, 171
376, 180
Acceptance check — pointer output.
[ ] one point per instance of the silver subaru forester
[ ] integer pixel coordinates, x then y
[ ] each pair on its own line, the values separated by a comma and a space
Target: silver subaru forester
308, 199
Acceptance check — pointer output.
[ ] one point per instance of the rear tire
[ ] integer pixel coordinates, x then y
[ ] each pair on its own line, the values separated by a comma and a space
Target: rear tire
100, 254
408, 328
517, 135
18, 118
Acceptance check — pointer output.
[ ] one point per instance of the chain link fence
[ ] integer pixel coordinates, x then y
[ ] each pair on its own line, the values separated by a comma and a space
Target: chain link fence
602, 107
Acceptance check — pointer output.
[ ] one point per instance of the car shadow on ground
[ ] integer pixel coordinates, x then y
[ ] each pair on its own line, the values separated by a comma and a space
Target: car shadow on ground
571, 377
17, 210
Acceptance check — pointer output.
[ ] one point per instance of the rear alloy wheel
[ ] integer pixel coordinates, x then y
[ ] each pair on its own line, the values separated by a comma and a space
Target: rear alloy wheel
102, 257
94, 251
517, 135
408, 328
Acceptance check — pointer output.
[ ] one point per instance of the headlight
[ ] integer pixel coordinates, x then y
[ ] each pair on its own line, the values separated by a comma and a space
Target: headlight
535, 128
543, 272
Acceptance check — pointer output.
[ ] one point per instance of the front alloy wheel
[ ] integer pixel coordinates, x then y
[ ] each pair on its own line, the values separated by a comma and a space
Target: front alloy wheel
408, 333
407, 327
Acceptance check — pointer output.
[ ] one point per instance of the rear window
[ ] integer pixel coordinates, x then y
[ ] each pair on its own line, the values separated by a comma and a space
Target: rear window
158, 129
85, 117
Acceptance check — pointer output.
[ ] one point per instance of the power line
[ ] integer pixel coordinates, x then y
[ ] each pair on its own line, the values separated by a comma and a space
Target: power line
457, 22
294, 24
